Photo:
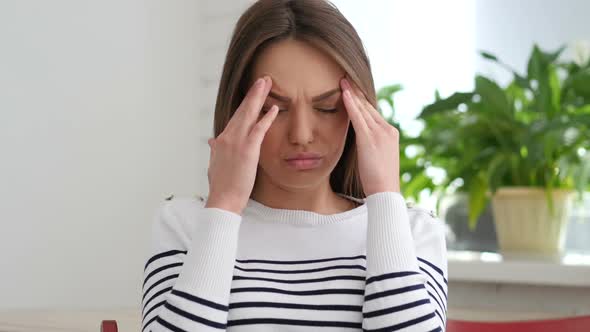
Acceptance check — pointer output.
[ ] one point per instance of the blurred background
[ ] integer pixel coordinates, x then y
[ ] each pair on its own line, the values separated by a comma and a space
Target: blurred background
106, 108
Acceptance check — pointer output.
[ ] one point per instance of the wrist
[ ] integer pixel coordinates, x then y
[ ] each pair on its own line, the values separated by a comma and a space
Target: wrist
224, 204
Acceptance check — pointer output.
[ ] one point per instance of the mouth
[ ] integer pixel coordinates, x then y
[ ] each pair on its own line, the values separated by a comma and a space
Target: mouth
304, 163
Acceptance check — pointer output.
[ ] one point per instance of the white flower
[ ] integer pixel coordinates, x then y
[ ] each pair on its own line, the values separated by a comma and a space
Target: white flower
581, 49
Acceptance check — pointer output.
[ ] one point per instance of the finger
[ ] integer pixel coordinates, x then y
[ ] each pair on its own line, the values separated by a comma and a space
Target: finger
364, 111
359, 98
359, 105
358, 122
241, 123
235, 119
377, 117
251, 107
261, 127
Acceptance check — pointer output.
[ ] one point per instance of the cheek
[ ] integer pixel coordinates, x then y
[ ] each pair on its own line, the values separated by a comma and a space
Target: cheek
271, 142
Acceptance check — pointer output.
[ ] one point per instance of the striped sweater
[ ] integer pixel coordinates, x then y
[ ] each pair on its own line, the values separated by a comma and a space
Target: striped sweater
378, 267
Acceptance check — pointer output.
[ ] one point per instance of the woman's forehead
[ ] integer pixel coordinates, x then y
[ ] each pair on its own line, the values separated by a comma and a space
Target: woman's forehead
296, 65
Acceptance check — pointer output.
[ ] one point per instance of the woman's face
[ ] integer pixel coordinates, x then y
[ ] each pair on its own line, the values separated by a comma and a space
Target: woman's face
311, 118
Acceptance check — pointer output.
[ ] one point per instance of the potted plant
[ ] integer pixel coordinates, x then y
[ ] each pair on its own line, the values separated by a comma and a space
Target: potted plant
522, 147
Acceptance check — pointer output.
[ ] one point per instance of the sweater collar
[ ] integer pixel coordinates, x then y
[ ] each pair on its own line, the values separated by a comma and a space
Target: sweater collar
261, 212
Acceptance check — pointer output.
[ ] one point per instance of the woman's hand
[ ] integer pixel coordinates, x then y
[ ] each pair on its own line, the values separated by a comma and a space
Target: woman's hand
377, 142
236, 151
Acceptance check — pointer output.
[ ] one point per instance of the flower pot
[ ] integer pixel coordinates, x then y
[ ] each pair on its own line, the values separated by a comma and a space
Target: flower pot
454, 211
524, 225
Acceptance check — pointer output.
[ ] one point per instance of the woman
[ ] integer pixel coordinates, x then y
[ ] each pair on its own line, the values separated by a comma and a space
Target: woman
304, 227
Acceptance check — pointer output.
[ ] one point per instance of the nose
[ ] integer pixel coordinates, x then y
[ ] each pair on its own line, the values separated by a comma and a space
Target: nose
301, 126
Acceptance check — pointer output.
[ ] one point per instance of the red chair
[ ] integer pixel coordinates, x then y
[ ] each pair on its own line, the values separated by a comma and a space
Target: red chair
570, 324
108, 326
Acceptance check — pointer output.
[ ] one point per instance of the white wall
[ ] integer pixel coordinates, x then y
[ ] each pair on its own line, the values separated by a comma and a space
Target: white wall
217, 21
99, 121
423, 44
509, 28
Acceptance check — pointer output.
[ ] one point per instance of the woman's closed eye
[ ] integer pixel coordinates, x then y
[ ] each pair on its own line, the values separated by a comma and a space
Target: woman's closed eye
323, 110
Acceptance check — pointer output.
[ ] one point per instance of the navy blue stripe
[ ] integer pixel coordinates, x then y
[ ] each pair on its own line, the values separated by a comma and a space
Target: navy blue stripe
393, 292
199, 300
194, 317
403, 325
386, 311
304, 293
435, 300
265, 261
149, 322
439, 316
438, 329
301, 281
390, 276
162, 255
331, 307
173, 276
357, 267
160, 269
159, 304
437, 294
168, 325
160, 292
277, 321
433, 279
435, 268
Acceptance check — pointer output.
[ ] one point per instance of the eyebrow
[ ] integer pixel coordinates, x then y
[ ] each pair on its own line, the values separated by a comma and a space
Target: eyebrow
320, 97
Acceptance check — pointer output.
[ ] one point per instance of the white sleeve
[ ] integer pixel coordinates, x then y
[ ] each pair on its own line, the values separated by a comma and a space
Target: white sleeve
406, 285
188, 271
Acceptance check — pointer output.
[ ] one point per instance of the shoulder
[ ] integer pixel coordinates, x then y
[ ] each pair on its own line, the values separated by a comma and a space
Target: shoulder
419, 211
425, 223
429, 235
180, 207
428, 231
174, 216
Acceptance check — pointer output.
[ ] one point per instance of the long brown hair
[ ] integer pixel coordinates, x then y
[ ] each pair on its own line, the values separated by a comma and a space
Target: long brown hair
317, 22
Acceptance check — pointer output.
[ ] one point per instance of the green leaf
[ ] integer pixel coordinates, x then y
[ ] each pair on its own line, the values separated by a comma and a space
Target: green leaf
477, 199
518, 79
417, 183
388, 91
489, 56
580, 83
447, 104
492, 96
539, 69
386, 94
496, 171
554, 88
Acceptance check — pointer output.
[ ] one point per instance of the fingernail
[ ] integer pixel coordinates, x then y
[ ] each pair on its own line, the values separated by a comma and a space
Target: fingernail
260, 82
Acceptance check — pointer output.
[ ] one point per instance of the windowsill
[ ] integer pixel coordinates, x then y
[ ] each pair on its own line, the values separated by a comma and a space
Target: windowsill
572, 270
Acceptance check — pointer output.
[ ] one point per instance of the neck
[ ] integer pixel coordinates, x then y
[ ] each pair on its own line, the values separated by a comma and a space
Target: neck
320, 198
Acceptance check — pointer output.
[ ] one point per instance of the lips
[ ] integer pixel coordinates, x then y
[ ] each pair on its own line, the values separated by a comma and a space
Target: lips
304, 155
304, 161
